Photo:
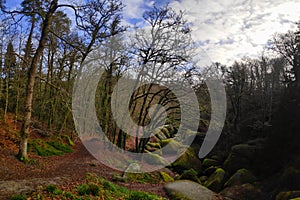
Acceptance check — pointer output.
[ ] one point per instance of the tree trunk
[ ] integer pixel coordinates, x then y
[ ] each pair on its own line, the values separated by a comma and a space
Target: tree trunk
31, 81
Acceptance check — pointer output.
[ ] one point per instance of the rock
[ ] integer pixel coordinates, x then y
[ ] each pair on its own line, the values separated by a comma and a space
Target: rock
240, 177
155, 159
173, 147
165, 142
154, 145
290, 178
190, 174
188, 190
288, 195
119, 178
133, 168
8, 188
216, 180
166, 132
243, 155
166, 177
207, 162
242, 192
203, 178
210, 170
189, 160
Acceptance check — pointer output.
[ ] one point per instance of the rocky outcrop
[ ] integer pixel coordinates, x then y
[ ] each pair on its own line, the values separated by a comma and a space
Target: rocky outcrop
243, 155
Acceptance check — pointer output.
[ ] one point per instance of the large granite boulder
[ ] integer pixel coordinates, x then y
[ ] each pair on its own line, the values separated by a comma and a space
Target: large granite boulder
188, 190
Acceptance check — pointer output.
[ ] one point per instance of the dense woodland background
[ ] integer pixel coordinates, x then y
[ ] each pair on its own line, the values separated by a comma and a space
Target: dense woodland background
42, 50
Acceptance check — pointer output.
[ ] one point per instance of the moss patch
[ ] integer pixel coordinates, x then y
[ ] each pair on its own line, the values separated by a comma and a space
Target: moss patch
50, 148
216, 180
190, 174
166, 177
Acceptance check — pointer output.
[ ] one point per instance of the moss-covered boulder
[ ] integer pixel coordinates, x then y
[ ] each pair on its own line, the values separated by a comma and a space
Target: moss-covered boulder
189, 160
288, 195
173, 147
190, 174
240, 177
188, 190
155, 159
166, 177
208, 162
243, 192
209, 171
243, 156
216, 180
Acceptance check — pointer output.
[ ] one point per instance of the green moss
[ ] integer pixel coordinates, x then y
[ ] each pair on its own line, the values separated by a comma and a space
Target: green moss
109, 186
18, 197
188, 160
207, 162
173, 147
166, 132
154, 159
43, 148
137, 195
283, 196
165, 142
60, 146
190, 174
216, 180
50, 188
153, 177
240, 177
68, 139
154, 145
166, 177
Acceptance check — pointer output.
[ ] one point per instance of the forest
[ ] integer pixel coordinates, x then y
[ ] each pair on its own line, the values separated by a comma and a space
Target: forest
65, 65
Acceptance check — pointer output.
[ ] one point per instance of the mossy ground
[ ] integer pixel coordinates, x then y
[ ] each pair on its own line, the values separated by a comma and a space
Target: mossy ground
49, 148
94, 187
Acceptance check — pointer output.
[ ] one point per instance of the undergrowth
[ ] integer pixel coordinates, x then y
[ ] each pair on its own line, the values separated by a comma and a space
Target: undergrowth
93, 188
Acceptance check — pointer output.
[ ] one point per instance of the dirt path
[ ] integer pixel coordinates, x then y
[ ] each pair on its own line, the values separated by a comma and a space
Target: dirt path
63, 170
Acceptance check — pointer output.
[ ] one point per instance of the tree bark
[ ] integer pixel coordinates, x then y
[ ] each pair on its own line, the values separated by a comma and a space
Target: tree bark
25, 130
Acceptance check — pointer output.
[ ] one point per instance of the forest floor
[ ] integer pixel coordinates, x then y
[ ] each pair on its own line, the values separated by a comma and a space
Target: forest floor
68, 170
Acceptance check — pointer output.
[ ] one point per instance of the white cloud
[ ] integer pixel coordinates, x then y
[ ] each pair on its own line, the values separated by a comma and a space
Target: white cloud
133, 8
237, 28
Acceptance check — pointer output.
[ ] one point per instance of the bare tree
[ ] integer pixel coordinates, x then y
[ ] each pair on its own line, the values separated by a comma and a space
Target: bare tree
287, 45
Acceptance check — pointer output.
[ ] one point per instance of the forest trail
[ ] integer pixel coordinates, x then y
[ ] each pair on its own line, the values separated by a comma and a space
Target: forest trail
67, 171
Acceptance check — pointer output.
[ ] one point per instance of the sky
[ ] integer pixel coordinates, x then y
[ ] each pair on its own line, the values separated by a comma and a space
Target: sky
224, 30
